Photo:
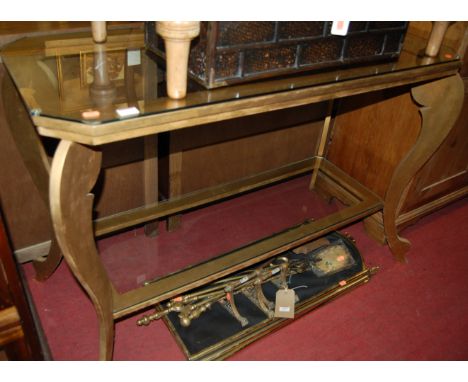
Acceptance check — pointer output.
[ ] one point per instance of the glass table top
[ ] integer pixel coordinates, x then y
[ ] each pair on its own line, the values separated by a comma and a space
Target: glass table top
69, 77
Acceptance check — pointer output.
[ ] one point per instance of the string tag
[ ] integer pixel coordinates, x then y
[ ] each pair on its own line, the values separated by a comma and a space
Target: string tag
285, 301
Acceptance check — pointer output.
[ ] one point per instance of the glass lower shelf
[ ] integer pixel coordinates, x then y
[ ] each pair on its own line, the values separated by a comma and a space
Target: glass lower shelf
359, 203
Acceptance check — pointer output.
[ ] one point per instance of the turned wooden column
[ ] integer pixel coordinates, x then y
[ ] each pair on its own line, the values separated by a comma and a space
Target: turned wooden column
437, 36
99, 31
177, 36
102, 91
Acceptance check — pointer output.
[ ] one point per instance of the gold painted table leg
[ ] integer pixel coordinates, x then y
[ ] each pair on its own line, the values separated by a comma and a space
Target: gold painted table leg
320, 151
150, 169
74, 171
441, 102
45, 267
175, 176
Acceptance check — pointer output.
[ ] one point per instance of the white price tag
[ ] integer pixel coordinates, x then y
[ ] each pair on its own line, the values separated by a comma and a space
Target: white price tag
243, 280
284, 304
133, 57
128, 112
340, 28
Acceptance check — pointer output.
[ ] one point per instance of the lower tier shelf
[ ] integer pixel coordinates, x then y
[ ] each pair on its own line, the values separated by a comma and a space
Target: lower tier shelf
359, 203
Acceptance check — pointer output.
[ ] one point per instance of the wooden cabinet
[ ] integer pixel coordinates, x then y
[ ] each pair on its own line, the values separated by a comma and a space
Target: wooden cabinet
371, 133
444, 178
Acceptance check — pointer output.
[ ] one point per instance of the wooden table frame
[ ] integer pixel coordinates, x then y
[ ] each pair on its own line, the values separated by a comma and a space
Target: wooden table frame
67, 183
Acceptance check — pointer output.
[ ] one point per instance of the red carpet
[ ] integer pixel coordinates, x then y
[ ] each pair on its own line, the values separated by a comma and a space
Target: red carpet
415, 311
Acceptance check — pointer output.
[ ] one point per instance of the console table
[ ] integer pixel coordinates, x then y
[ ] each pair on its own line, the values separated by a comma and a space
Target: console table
88, 95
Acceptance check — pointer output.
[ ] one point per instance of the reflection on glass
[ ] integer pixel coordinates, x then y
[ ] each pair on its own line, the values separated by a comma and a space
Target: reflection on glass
130, 82
132, 259
102, 91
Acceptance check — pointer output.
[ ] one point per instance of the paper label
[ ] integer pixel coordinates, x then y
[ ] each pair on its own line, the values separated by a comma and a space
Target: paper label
133, 57
284, 305
128, 112
243, 280
340, 28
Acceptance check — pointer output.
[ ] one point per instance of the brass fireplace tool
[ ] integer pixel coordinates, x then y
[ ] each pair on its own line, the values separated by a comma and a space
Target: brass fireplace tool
321, 257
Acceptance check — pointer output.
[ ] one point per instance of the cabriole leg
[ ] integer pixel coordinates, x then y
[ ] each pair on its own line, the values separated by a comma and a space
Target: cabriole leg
440, 105
74, 172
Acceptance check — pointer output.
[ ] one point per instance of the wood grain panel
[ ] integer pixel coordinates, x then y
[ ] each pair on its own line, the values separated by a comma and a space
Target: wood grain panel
229, 150
23, 208
121, 183
453, 37
447, 170
371, 134
442, 179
